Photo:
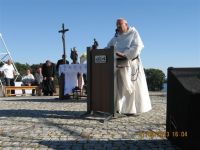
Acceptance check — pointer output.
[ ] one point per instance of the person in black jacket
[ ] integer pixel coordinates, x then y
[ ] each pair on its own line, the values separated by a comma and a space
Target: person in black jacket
49, 74
60, 62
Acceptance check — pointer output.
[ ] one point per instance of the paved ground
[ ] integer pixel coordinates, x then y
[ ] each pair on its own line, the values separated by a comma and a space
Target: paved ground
49, 123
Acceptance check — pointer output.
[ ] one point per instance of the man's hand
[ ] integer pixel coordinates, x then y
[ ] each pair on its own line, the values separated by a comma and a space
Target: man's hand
119, 54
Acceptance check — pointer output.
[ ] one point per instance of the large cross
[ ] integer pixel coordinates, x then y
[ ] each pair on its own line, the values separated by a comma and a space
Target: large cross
63, 40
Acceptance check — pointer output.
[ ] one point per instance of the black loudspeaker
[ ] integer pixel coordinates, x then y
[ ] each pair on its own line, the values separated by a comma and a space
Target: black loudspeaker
183, 107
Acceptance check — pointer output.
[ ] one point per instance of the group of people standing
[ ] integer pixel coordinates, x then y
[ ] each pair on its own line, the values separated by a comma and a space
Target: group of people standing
43, 78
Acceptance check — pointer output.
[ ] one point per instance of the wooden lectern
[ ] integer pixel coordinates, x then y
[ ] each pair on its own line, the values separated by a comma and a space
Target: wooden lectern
101, 79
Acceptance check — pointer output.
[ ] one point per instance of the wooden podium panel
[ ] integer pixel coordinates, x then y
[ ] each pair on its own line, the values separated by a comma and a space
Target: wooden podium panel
101, 80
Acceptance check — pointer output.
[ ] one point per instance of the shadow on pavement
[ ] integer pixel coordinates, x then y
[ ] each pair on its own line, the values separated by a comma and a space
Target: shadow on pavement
58, 114
41, 113
55, 100
111, 144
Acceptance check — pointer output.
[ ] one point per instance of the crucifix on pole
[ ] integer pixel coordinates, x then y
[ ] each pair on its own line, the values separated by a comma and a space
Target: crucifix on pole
63, 40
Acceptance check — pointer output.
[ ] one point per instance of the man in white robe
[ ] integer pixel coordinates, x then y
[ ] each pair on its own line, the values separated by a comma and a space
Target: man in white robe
132, 92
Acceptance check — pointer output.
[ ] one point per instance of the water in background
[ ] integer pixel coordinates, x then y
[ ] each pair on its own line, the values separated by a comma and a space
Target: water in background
164, 87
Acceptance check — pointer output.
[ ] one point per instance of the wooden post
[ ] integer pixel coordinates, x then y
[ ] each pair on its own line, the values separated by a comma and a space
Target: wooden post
61, 86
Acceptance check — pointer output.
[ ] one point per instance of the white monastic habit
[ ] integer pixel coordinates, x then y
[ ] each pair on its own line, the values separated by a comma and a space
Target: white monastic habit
133, 96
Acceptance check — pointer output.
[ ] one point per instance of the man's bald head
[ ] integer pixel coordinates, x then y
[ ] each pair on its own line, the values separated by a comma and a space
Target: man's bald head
122, 25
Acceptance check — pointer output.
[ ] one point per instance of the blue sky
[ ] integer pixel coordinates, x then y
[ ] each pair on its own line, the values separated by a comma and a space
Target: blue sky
170, 29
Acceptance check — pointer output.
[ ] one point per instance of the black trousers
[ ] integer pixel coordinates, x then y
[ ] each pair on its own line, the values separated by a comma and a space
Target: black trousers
33, 90
10, 82
48, 87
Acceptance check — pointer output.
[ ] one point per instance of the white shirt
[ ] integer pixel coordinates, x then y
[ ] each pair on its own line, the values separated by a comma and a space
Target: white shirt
8, 71
28, 79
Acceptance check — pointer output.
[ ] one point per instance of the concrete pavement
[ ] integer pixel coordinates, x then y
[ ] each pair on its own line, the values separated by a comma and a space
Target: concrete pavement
41, 123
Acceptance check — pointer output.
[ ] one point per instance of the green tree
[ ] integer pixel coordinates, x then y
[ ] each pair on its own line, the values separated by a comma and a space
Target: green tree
34, 68
21, 69
1, 64
155, 79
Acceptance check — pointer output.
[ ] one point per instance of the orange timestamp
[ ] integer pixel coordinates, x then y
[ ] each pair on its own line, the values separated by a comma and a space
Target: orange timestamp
161, 134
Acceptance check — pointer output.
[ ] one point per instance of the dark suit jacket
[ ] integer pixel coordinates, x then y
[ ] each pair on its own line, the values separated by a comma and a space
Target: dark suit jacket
60, 62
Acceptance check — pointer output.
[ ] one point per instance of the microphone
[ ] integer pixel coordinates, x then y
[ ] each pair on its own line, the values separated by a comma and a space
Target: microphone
116, 32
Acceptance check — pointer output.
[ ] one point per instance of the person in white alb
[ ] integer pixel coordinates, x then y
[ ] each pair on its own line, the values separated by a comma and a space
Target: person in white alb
132, 91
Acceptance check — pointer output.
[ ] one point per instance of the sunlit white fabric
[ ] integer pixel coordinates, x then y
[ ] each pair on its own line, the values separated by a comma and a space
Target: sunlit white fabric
71, 71
132, 92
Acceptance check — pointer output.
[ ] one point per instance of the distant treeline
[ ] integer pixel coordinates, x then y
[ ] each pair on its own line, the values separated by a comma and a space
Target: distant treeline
155, 77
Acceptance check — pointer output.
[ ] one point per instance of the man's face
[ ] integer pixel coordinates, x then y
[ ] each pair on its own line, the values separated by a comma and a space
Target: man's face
39, 70
9, 62
122, 26
28, 71
48, 64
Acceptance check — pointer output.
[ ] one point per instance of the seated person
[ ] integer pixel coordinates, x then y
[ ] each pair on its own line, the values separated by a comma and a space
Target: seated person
38, 80
28, 80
